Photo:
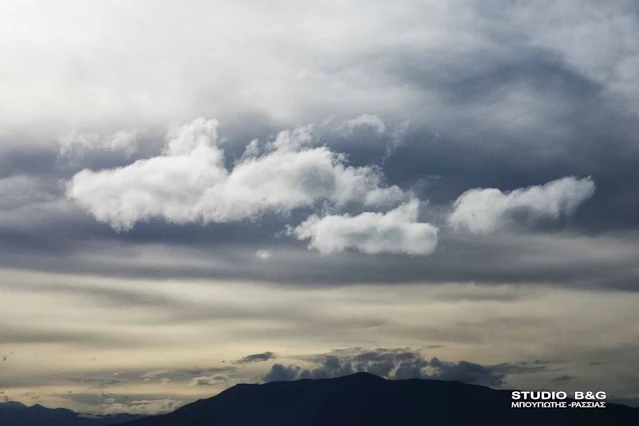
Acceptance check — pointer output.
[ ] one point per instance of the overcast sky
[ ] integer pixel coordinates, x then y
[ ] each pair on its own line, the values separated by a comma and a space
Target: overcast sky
199, 193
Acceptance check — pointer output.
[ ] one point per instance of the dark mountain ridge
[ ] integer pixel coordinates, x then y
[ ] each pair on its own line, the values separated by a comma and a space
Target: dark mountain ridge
17, 414
367, 400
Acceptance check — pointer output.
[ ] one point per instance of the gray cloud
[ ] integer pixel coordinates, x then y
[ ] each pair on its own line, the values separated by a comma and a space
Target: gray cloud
523, 367
265, 356
101, 382
105, 403
27, 335
194, 374
209, 380
566, 259
564, 378
391, 364
74, 144
467, 372
282, 373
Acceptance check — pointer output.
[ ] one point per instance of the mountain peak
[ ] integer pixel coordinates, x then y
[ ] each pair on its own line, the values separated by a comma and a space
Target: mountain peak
12, 404
367, 399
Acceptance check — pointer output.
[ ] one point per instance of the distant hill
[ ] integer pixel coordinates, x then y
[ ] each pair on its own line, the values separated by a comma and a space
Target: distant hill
363, 399
17, 414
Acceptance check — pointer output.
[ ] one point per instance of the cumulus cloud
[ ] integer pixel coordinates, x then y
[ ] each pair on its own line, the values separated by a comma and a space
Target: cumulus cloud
482, 211
395, 364
189, 182
292, 140
467, 372
397, 231
253, 149
283, 373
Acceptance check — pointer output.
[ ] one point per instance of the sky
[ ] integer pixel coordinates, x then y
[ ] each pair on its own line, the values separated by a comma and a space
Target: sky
196, 194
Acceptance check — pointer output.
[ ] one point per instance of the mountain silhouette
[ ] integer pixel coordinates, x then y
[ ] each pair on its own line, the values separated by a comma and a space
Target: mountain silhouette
17, 414
363, 399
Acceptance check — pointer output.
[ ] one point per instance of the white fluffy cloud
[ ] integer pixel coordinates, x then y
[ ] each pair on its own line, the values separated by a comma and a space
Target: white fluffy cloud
397, 231
482, 211
189, 182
